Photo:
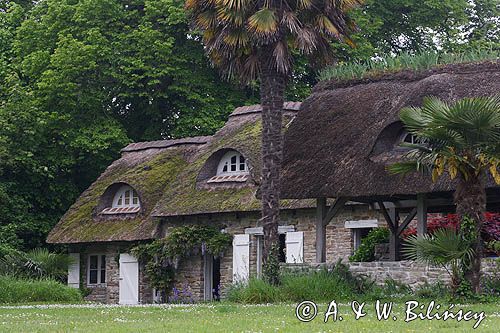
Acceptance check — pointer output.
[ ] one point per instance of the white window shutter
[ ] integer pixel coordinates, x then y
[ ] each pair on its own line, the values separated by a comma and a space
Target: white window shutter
241, 258
74, 271
295, 247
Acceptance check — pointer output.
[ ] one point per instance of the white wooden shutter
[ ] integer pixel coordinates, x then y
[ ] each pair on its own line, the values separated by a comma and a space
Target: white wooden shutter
295, 247
74, 271
241, 258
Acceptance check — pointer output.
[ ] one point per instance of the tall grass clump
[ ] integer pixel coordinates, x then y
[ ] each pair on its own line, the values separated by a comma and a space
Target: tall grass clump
255, 291
15, 290
416, 62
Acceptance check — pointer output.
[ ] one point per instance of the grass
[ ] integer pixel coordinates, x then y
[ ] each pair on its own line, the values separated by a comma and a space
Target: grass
418, 62
223, 317
14, 290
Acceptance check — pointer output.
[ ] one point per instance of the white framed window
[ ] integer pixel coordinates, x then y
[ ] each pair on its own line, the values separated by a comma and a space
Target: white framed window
96, 269
126, 197
408, 138
232, 163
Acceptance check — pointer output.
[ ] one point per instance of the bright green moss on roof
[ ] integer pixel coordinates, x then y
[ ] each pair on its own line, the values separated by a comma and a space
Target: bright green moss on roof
148, 173
183, 197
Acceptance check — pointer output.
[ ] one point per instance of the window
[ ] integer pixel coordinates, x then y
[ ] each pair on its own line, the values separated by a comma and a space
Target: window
96, 269
126, 197
232, 163
409, 138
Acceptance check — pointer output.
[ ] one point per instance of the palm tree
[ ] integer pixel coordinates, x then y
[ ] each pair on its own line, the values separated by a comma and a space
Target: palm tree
251, 40
461, 140
445, 247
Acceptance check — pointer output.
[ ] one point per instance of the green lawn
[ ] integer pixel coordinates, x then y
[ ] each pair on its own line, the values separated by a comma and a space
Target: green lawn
222, 317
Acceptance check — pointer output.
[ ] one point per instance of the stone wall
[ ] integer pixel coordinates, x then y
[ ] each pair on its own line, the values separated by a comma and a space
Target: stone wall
339, 241
407, 272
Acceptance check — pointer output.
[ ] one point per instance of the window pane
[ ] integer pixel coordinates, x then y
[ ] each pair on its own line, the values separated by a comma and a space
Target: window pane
103, 262
233, 167
120, 201
93, 276
103, 276
233, 159
127, 200
93, 262
136, 200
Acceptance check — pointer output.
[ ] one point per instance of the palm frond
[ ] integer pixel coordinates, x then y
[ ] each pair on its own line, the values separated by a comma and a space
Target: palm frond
263, 22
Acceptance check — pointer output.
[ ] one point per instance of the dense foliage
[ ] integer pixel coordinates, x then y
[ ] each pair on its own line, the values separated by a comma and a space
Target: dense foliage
81, 79
366, 250
15, 290
35, 264
163, 256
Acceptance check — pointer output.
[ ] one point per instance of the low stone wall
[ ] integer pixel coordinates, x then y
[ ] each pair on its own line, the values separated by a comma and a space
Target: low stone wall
407, 272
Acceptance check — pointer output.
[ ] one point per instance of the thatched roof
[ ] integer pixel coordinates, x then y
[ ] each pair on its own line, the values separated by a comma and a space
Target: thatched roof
346, 132
189, 194
170, 177
148, 168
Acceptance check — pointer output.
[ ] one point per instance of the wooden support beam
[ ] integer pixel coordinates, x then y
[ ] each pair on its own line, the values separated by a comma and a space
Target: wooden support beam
421, 215
321, 211
407, 221
337, 205
394, 241
392, 219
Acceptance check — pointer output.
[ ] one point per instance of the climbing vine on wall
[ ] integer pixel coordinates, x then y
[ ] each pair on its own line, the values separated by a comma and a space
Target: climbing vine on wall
163, 256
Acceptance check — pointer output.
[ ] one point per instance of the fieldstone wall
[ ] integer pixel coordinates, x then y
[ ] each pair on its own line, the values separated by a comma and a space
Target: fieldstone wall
405, 271
339, 241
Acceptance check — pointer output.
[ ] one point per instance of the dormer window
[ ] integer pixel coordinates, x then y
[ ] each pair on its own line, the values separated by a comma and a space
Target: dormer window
232, 167
409, 138
125, 200
232, 163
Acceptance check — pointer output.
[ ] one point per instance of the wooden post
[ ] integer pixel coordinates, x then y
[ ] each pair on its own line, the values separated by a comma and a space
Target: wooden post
421, 215
394, 241
320, 230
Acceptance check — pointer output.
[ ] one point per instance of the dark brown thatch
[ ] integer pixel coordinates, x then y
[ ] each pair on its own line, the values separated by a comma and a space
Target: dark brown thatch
346, 132
148, 168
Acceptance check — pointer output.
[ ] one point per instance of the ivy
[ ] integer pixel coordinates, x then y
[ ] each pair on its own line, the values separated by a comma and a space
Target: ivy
162, 256
366, 250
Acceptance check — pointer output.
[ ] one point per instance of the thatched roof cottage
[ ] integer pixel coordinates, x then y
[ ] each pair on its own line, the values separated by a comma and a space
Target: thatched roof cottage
335, 187
212, 180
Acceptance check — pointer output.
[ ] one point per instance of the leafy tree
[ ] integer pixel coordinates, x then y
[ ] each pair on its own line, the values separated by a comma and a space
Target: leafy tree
256, 39
463, 139
81, 79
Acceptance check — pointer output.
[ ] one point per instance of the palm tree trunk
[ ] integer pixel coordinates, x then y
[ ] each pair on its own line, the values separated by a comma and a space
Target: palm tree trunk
470, 200
272, 89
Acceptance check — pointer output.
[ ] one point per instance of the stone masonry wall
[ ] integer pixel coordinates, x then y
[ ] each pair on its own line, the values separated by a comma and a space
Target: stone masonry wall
339, 241
407, 272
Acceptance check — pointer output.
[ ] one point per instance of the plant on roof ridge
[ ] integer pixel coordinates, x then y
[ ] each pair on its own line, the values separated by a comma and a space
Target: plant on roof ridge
391, 63
460, 141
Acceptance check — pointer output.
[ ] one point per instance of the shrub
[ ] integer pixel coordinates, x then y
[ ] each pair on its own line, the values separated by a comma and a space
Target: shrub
366, 250
335, 282
255, 291
14, 290
36, 264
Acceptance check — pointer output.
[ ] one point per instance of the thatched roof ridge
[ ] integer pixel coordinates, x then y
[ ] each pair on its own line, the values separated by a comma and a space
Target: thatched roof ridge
333, 147
257, 108
136, 146
407, 75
